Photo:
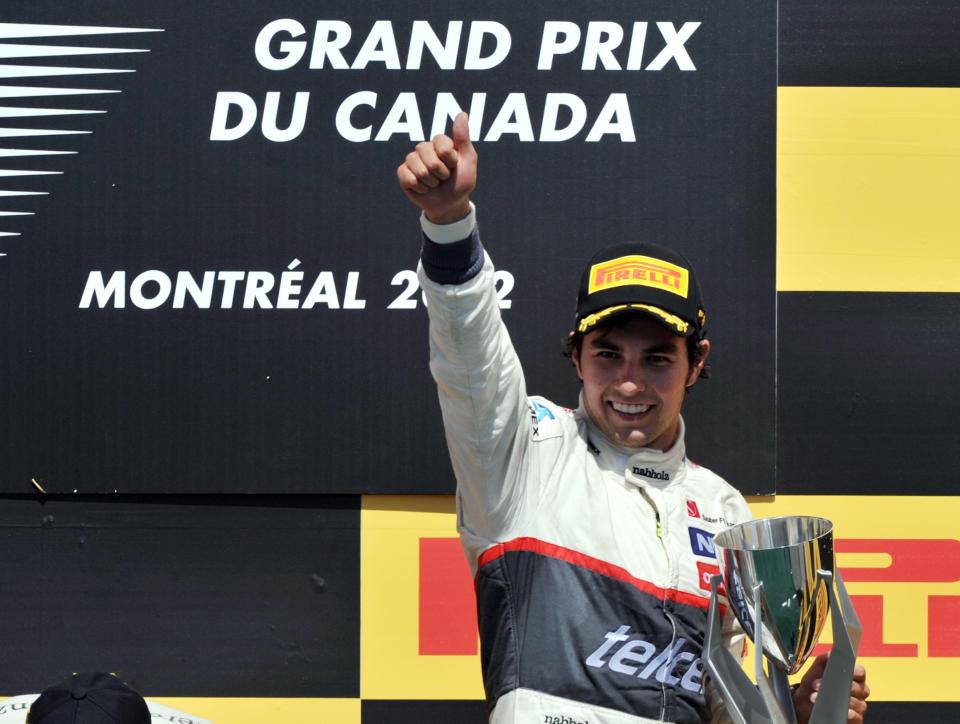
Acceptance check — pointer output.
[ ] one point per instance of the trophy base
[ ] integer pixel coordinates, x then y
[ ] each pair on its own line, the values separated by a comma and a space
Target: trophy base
770, 701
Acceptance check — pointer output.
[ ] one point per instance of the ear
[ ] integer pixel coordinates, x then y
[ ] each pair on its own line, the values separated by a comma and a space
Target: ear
575, 358
697, 368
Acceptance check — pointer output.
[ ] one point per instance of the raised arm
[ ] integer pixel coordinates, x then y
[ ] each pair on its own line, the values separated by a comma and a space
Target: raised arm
479, 379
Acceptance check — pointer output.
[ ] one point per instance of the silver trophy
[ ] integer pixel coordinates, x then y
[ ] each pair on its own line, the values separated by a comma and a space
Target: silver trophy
779, 579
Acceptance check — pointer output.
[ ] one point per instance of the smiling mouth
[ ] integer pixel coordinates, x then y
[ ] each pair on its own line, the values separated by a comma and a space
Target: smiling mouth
626, 409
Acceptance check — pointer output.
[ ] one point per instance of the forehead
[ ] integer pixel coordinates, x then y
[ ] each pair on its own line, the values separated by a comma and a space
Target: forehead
637, 330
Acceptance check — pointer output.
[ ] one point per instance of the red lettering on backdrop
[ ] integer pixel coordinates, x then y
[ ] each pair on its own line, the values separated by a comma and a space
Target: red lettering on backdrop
448, 624
870, 611
448, 619
943, 626
914, 560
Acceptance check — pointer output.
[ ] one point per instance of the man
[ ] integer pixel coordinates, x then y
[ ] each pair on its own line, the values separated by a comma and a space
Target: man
89, 698
589, 531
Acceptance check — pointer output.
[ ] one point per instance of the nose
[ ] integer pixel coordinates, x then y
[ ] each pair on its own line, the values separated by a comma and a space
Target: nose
631, 387
632, 380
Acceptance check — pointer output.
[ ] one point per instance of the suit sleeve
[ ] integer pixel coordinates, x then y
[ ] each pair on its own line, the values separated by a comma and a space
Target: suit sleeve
480, 384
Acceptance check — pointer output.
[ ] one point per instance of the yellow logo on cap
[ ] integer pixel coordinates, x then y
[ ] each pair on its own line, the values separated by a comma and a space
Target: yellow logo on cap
642, 270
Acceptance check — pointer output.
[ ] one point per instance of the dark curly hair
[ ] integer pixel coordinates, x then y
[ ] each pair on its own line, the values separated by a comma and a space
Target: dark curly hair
574, 341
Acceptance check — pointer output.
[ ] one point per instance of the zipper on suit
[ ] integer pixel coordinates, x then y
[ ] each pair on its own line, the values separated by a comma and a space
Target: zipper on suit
666, 612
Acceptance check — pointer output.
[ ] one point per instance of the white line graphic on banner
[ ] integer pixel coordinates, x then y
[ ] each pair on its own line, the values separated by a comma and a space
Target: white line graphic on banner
10, 31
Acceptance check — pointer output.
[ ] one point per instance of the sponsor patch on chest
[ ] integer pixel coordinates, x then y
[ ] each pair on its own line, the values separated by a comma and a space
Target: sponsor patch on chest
544, 424
701, 542
693, 511
706, 571
632, 655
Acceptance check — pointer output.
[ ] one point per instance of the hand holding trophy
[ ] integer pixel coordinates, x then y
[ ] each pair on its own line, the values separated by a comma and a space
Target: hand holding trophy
779, 577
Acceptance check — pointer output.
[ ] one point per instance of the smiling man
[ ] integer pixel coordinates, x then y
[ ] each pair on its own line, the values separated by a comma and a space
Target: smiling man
633, 383
589, 531
639, 342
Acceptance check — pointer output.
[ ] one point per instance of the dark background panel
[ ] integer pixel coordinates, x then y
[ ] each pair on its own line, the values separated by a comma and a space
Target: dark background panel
869, 395
418, 712
340, 400
473, 712
869, 43
927, 712
206, 596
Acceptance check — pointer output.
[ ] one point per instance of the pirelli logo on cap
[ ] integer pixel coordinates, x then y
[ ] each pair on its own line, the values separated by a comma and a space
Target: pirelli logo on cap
641, 270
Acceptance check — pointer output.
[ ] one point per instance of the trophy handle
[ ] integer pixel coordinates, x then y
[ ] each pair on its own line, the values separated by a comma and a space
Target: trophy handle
833, 698
744, 702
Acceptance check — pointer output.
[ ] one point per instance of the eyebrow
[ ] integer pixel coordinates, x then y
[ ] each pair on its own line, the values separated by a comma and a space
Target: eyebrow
603, 343
664, 348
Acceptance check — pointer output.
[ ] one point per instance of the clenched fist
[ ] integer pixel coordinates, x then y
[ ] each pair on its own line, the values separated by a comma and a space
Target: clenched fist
439, 175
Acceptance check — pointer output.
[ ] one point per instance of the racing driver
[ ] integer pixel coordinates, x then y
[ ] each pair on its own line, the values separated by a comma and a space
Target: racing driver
589, 532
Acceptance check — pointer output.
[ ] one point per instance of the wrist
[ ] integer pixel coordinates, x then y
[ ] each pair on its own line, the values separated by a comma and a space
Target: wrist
452, 232
449, 216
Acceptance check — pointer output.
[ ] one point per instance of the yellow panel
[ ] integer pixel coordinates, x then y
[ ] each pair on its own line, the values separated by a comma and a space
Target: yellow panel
390, 664
867, 190
917, 678
276, 711
392, 527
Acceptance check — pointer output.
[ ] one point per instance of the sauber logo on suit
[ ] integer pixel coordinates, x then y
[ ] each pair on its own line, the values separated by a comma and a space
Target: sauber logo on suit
693, 511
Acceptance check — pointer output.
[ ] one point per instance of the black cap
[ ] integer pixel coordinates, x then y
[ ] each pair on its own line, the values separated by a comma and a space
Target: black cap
641, 278
89, 698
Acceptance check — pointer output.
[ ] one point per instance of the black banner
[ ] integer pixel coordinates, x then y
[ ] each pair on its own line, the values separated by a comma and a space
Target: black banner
208, 274
232, 596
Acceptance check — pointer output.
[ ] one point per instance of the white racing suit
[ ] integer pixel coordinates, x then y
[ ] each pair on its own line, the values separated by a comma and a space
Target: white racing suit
591, 562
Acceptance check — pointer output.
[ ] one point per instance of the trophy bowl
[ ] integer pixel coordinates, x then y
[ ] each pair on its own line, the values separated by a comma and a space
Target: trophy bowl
781, 561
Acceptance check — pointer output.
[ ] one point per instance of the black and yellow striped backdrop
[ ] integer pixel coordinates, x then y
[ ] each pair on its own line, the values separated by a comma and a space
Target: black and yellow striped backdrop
351, 609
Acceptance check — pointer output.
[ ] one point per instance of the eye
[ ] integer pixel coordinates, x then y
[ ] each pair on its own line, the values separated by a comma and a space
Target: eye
659, 359
607, 354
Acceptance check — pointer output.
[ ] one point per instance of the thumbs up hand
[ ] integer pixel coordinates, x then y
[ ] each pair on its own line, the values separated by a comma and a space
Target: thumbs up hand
439, 175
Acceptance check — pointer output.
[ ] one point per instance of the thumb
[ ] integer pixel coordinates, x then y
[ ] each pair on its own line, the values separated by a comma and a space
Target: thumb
461, 133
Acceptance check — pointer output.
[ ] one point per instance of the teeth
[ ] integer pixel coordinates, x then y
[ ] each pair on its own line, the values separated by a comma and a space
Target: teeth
630, 409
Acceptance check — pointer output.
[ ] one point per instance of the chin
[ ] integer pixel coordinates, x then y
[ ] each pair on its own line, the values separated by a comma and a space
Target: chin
634, 440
